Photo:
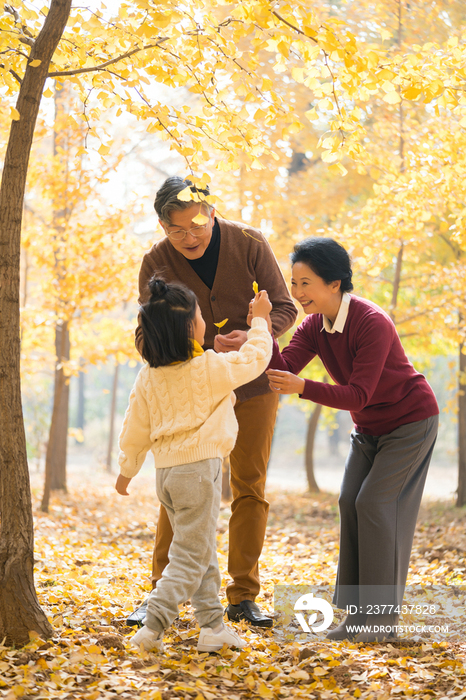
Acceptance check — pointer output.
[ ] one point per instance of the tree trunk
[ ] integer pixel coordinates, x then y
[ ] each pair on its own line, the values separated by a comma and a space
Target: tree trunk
112, 418
334, 437
461, 498
309, 451
55, 460
20, 611
57, 452
396, 282
55, 464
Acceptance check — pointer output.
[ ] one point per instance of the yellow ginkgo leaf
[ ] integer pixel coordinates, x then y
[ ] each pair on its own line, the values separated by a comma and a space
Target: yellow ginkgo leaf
265, 692
200, 219
35, 63
104, 150
255, 287
185, 195
221, 324
14, 114
392, 98
250, 236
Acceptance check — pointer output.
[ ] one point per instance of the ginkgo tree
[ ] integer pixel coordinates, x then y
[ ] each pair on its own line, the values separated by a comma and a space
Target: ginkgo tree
410, 245
85, 260
212, 50
397, 242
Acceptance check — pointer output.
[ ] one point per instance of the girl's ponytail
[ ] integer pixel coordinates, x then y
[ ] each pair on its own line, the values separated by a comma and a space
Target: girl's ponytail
158, 289
167, 327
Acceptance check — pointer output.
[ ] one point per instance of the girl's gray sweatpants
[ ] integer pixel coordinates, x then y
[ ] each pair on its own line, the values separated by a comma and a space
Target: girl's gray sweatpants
191, 495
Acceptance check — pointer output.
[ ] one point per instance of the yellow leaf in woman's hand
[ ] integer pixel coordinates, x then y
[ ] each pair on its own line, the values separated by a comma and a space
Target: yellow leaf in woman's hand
221, 324
255, 287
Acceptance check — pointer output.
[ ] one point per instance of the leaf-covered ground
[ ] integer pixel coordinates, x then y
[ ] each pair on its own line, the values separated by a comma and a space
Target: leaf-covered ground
93, 553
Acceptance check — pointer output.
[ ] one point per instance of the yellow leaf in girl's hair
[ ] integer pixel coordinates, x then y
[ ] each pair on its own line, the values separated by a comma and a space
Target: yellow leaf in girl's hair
221, 324
255, 287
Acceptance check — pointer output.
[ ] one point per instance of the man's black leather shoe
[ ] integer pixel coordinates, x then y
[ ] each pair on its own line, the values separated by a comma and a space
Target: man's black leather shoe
249, 611
136, 619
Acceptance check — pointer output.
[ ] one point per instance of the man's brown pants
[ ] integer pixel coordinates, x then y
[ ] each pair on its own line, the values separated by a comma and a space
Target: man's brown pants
249, 509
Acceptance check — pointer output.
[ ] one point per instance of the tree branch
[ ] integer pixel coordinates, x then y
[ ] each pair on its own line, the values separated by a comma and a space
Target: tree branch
292, 26
412, 317
407, 335
28, 37
102, 66
13, 73
26, 40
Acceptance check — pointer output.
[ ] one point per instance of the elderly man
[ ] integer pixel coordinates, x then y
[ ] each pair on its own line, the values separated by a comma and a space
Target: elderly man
219, 260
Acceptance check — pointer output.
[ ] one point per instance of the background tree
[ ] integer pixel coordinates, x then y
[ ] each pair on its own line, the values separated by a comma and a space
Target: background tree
86, 260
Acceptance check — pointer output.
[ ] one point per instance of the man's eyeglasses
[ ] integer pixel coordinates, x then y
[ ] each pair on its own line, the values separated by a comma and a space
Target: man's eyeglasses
179, 233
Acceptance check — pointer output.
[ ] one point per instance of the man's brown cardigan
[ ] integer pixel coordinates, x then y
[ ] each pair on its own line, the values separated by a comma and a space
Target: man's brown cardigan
244, 257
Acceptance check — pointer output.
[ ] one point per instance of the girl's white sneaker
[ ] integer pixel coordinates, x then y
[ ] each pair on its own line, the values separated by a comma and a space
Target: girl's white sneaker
147, 639
214, 641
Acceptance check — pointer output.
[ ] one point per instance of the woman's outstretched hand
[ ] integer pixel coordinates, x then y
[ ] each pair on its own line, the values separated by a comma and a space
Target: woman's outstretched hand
285, 382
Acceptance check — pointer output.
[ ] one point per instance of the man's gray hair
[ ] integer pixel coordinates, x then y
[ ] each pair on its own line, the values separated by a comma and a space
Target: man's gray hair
166, 199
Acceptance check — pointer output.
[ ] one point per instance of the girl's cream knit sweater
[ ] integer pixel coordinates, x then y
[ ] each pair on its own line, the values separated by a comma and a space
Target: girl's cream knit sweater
184, 413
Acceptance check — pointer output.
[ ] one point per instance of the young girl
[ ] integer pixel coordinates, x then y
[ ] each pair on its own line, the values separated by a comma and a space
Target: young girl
181, 408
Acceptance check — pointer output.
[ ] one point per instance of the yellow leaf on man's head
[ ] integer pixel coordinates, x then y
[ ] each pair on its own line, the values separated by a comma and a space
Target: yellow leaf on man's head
35, 63
255, 287
185, 195
221, 324
200, 219
14, 114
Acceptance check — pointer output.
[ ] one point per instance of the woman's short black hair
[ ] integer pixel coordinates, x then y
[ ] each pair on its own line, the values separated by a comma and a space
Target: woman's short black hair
166, 322
326, 258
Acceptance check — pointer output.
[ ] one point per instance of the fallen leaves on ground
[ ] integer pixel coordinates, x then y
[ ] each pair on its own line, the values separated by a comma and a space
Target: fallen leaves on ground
93, 555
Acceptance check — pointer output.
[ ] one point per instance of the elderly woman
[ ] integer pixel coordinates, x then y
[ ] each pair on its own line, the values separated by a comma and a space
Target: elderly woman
395, 416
